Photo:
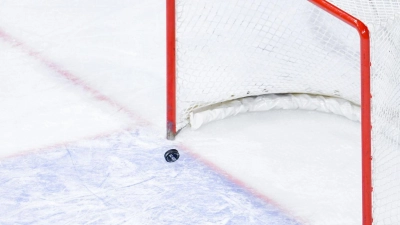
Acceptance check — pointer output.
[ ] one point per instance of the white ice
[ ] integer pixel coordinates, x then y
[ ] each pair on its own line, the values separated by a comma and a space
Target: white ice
82, 133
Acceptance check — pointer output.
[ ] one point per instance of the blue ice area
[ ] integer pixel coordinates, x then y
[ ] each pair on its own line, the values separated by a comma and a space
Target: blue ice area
124, 179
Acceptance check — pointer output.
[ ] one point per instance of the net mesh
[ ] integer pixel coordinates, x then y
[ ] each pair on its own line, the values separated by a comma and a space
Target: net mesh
386, 123
229, 49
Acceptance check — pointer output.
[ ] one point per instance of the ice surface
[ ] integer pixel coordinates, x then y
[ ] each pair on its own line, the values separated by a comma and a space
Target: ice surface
82, 131
123, 179
308, 162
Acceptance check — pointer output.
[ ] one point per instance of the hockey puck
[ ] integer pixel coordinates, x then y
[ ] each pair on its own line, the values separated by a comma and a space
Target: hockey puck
171, 155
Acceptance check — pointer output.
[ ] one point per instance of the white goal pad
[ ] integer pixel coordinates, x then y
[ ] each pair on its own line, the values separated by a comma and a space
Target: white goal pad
319, 103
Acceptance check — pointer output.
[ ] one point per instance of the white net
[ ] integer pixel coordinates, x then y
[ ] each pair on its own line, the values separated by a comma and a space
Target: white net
386, 122
230, 49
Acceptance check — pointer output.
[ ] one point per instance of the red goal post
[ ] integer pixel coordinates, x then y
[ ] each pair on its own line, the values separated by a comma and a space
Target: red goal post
365, 102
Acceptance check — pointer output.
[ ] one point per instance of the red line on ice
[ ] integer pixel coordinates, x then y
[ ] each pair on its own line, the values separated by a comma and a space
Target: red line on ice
69, 76
59, 145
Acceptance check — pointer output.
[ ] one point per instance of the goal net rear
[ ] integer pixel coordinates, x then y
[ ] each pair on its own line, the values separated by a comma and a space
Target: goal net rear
223, 53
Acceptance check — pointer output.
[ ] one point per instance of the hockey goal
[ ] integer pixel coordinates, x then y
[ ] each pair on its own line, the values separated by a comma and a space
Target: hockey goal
231, 56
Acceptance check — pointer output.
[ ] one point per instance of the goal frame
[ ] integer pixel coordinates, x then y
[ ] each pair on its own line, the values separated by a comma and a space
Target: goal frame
365, 60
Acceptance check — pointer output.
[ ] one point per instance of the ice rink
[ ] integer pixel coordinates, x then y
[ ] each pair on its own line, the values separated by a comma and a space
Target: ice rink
82, 133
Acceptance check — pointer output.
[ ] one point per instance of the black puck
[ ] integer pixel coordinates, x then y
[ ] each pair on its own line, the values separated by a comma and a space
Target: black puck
171, 155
